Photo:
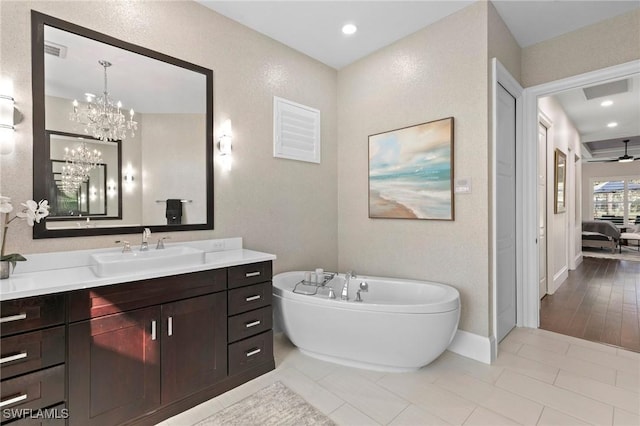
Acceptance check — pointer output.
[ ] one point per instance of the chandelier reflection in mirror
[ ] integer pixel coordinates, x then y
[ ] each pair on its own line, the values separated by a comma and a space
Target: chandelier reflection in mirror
101, 117
79, 162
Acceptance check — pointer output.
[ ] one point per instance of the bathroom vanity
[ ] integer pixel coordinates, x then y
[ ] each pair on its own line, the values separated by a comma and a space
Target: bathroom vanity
134, 349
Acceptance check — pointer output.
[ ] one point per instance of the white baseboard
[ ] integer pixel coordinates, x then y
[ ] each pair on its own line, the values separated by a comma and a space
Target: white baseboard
473, 346
558, 279
578, 260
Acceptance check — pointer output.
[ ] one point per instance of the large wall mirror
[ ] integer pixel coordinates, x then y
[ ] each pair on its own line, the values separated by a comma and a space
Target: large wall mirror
145, 161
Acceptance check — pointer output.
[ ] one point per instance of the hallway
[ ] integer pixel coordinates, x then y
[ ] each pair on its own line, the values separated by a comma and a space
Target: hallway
598, 302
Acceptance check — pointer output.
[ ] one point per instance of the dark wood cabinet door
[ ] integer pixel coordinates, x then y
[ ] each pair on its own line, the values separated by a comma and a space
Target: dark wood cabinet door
194, 345
114, 367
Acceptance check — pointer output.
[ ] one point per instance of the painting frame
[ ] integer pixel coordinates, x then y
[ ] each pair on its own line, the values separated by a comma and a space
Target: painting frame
411, 172
560, 182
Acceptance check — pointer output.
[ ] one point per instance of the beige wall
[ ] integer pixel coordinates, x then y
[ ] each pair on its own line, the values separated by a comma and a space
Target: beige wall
279, 206
437, 72
502, 44
610, 42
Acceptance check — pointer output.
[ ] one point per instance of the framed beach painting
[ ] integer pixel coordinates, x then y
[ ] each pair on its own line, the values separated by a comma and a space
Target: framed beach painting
411, 172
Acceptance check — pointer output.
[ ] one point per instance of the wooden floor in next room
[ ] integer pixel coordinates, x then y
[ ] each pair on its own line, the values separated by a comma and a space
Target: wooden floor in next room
600, 301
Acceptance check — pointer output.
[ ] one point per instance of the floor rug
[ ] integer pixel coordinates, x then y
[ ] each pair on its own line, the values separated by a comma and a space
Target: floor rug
627, 254
275, 405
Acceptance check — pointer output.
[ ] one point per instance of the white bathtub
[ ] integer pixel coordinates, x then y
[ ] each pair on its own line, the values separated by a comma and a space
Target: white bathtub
401, 325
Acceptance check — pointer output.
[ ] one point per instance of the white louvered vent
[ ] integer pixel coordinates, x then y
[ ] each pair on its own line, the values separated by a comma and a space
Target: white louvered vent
296, 131
55, 49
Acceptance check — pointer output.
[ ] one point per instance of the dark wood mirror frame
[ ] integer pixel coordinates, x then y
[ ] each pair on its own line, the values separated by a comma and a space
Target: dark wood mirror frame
40, 140
48, 170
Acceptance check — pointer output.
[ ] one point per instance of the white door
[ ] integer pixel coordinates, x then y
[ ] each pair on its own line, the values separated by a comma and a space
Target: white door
506, 213
542, 209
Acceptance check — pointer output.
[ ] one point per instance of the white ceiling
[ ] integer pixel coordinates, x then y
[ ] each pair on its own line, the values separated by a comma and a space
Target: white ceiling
590, 119
313, 27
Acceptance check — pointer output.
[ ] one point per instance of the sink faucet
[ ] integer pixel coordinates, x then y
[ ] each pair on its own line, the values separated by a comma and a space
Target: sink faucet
126, 246
345, 287
144, 246
160, 245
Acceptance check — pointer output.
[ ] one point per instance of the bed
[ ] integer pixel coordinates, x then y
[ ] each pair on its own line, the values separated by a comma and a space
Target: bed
600, 234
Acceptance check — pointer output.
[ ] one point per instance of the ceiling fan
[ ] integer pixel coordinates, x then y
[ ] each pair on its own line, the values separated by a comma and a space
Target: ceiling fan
626, 158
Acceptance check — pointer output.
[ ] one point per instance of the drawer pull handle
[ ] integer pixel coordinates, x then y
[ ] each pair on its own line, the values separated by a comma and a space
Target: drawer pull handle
252, 274
252, 298
153, 330
13, 318
254, 352
252, 324
13, 400
170, 326
13, 357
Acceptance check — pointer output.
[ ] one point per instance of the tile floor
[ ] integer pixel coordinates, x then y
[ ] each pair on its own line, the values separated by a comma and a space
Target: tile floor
539, 378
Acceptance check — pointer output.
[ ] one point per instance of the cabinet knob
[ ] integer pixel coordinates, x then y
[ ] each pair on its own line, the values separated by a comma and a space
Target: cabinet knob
253, 352
13, 318
13, 400
253, 324
153, 330
13, 357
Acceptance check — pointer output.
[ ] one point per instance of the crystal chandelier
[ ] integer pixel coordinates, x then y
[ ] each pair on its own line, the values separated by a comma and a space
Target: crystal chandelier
79, 162
102, 118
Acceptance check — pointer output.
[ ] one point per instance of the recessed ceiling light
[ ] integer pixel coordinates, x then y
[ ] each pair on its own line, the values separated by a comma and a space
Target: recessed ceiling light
612, 124
606, 103
349, 29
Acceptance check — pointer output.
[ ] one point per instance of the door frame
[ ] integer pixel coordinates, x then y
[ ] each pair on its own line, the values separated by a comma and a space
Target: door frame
547, 123
529, 316
505, 79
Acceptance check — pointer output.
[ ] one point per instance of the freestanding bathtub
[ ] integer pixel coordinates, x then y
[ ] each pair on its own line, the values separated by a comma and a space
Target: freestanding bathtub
401, 325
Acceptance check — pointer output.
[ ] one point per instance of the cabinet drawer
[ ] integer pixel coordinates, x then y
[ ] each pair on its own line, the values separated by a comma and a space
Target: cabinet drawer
32, 391
245, 299
100, 301
249, 274
250, 352
250, 323
32, 351
31, 313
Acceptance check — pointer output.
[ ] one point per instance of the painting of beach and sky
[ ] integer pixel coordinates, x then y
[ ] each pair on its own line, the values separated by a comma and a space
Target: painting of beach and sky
411, 172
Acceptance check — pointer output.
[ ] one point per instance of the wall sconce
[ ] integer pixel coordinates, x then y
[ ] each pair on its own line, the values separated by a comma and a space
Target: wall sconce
6, 124
128, 179
224, 144
112, 189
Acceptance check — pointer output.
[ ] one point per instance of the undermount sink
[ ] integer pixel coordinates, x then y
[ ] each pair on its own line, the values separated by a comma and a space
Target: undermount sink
108, 264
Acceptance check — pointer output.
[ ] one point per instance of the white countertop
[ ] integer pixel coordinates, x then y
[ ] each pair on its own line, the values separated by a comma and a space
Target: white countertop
77, 272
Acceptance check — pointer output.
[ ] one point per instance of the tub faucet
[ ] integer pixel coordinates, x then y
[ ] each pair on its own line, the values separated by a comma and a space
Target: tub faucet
345, 287
144, 246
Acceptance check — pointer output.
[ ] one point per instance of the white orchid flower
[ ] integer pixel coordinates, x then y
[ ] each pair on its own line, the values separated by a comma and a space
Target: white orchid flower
42, 210
33, 211
5, 204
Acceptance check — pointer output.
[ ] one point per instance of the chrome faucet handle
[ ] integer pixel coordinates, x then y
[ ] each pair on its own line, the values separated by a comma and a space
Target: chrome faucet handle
364, 286
126, 246
160, 245
332, 294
